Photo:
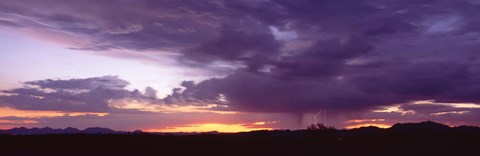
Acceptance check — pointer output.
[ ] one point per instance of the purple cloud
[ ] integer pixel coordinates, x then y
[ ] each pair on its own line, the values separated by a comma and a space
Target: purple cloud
74, 95
359, 55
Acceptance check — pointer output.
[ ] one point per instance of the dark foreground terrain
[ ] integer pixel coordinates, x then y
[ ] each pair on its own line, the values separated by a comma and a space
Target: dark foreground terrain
425, 138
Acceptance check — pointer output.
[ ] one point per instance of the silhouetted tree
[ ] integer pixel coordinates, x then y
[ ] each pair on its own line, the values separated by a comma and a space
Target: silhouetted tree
320, 127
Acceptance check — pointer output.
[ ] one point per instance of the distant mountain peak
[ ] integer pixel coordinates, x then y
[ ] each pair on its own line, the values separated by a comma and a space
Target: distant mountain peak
99, 130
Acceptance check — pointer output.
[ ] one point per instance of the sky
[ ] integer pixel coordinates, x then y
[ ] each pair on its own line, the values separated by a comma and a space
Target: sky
230, 66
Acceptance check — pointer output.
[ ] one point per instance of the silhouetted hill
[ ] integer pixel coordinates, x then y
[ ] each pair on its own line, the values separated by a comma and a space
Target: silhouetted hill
427, 126
99, 130
466, 129
70, 130
426, 138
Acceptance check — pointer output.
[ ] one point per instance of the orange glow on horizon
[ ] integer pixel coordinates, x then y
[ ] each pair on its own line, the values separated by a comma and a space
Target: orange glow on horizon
208, 127
364, 120
368, 124
7, 111
3, 127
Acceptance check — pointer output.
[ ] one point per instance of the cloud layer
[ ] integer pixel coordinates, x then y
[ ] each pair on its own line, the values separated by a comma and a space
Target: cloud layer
278, 56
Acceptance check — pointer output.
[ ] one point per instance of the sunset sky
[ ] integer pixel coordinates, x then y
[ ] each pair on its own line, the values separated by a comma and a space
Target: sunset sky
238, 65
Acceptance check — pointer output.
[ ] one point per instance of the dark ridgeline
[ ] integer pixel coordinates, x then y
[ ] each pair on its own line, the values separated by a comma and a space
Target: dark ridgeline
426, 138
48, 130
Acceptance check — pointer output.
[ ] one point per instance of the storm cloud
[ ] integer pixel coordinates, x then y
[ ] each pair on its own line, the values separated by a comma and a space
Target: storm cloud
351, 56
283, 56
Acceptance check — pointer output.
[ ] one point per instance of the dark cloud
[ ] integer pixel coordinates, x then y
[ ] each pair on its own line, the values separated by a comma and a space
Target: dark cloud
192, 93
74, 95
110, 82
286, 56
120, 24
258, 93
247, 46
358, 55
324, 58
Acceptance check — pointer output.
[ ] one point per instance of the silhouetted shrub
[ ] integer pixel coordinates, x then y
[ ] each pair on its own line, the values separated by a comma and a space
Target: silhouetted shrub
320, 127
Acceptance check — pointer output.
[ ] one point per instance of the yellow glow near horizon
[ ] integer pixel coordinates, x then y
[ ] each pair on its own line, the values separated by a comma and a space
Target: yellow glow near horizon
450, 112
164, 108
455, 105
208, 127
367, 125
7, 111
364, 120
394, 109
260, 123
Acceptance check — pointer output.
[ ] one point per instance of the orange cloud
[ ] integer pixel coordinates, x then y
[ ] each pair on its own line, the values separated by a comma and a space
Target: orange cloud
163, 108
7, 111
394, 109
18, 121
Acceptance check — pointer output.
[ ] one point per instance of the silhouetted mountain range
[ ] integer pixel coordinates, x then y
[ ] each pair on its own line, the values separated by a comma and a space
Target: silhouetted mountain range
427, 126
48, 130
426, 138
